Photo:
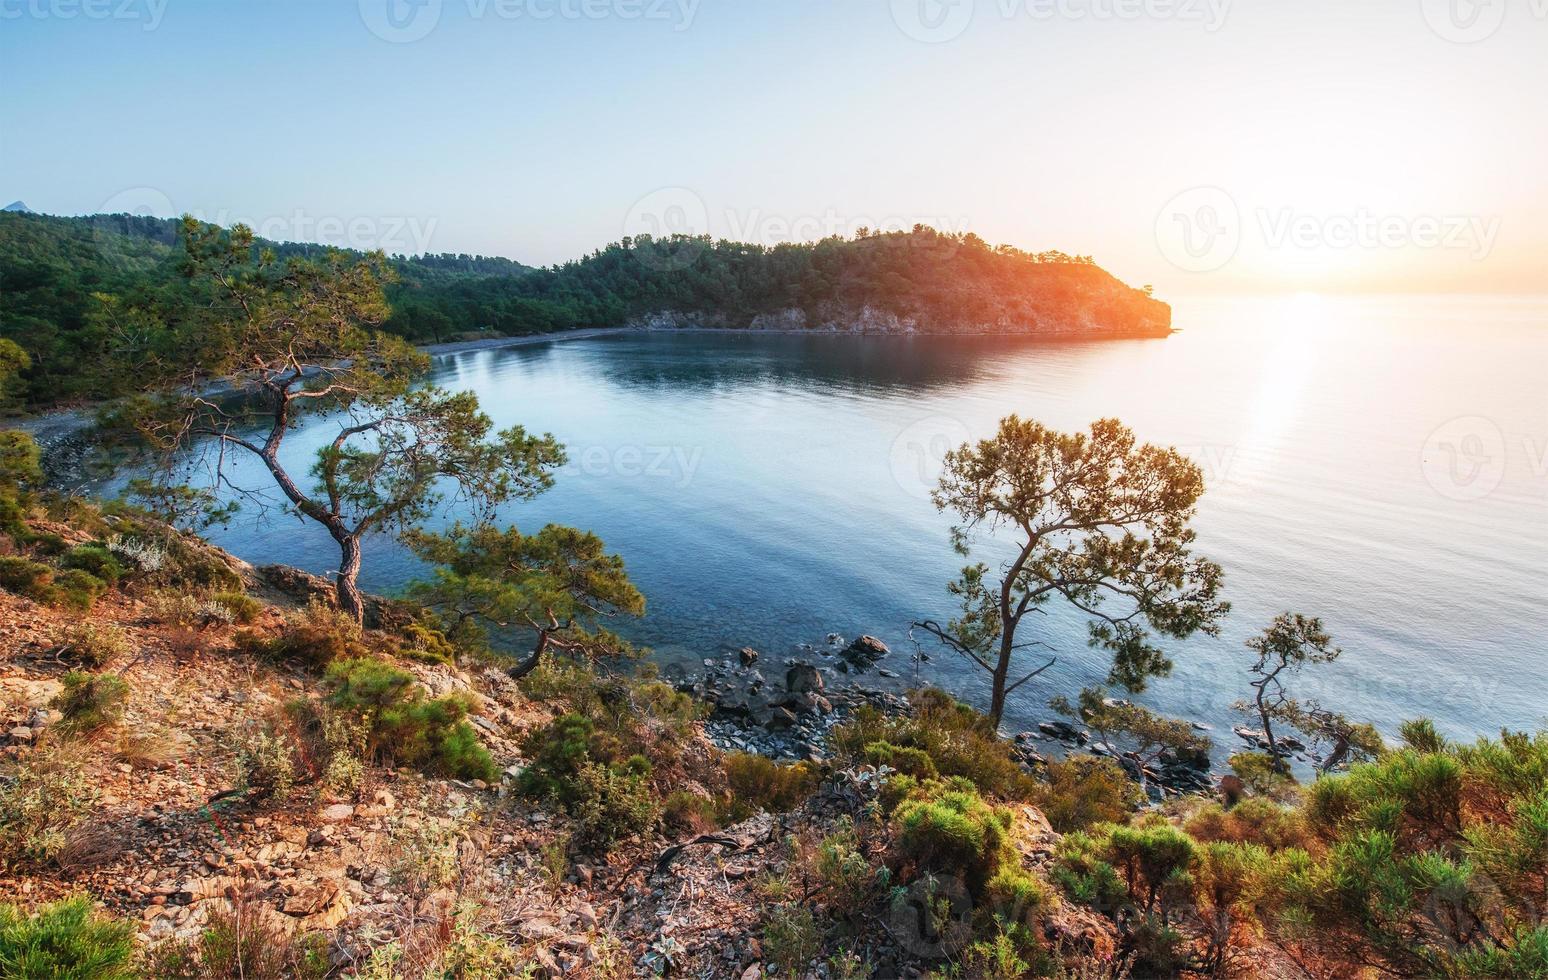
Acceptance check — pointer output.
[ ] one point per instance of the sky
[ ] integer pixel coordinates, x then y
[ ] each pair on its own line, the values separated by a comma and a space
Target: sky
1197, 145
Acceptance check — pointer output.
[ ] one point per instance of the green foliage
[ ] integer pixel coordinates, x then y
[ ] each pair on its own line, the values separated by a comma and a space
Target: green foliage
402, 725
1080, 790
572, 765
76, 589
792, 938
849, 879
948, 828
91, 702
315, 638
95, 559
1256, 820
1098, 521
758, 783
1082, 870
242, 607
427, 644
26, 577
910, 761
689, 813
611, 803
42, 799
89, 644
556, 587
1262, 774
1421, 735
958, 741
68, 940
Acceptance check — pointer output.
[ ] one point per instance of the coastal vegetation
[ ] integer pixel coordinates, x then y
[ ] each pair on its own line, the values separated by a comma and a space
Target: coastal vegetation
94, 303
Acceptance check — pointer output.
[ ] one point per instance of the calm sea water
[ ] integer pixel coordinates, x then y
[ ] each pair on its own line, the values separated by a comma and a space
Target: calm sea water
1381, 463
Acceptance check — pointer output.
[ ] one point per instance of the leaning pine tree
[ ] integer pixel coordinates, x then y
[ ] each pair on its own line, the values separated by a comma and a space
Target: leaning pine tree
281, 339
1095, 521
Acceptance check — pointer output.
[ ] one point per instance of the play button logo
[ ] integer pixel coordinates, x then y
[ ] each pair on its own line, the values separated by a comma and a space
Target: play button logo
932, 21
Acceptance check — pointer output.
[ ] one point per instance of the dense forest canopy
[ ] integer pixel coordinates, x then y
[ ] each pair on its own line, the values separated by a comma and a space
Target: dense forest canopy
90, 299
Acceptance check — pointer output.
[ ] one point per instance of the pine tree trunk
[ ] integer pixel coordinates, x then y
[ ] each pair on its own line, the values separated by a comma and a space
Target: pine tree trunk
347, 587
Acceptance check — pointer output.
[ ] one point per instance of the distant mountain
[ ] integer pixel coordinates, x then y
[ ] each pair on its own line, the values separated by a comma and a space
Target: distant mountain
18, 206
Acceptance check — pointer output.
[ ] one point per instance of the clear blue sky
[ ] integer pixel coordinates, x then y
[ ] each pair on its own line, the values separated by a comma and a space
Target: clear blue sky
540, 129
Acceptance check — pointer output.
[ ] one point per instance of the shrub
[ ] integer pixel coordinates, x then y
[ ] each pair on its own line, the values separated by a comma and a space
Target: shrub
41, 800
958, 740
848, 877
689, 813
949, 829
26, 577
76, 589
1252, 821
240, 607
93, 645
611, 803
557, 751
1258, 772
405, 727
1017, 897
759, 783
96, 560
314, 638
423, 643
239, 943
1084, 790
905, 759
67, 939
1083, 872
91, 702
791, 938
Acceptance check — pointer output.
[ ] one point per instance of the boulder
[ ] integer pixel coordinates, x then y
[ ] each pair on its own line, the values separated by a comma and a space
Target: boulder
748, 656
802, 678
865, 651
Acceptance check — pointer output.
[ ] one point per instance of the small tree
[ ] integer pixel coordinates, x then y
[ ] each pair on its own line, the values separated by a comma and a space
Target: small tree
1097, 521
1284, 648
286, 337
557, 586
1148, 733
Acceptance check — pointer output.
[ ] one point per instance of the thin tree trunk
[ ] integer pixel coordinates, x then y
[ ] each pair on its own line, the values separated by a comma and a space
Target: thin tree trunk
347, 587
1001, 674
528, 665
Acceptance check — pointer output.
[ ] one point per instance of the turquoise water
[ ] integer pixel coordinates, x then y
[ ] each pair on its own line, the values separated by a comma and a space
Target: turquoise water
1380, 463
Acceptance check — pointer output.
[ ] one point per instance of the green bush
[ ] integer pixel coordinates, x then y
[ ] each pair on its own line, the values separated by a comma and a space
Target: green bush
41, 801
791, 939
948, 828
1081, 790
76, 589
93, 645
241, 607
1081, 869
313, 638
402, 725
26, 577
759, 783
905, 759
67, 940
848, 877
689, 813
958, 740
91, 702
423, 643
611, 803
96, 560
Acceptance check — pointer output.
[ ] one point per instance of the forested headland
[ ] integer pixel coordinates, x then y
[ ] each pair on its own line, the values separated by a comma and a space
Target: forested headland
88, 299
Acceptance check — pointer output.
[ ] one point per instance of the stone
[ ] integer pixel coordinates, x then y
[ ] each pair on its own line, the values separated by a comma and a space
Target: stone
337, 813
866, 650
313, 899
21, 735
748, 656
802, 678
